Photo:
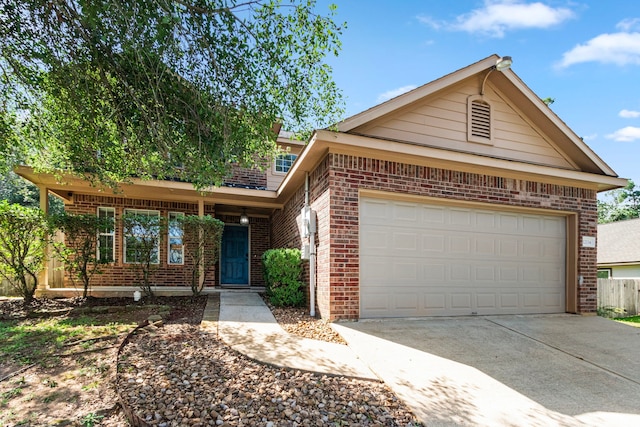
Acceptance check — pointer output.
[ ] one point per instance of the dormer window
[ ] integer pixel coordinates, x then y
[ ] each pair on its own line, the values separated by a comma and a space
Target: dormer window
479, 121
284, 162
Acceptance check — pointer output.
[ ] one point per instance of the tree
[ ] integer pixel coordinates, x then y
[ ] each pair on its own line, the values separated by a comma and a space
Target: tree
142, 246
182, 89
203, 247
14, 189
620, 204
79, 252
23, 239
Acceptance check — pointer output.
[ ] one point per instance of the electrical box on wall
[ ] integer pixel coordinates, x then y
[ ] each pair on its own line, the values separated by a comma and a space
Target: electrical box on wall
308, 221
305, 253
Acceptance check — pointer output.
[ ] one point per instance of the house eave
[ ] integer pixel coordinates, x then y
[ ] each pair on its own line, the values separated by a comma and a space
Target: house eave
324, 141
65, 185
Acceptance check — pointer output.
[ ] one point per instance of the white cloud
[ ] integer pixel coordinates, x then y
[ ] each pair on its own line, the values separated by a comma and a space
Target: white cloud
628, 24
628, 114
395, 92
627, 134
616, 48
430, 22
590, 137
499, 16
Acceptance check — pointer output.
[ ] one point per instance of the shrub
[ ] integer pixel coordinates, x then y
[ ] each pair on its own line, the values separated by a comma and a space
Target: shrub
23, 233
203, 249
142, 241
282, 272
79, 252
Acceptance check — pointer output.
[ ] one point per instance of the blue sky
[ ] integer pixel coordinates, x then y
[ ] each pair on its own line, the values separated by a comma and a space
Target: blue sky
584, 54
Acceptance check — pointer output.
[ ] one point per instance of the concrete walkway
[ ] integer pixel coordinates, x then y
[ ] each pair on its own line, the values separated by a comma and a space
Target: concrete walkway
247, 325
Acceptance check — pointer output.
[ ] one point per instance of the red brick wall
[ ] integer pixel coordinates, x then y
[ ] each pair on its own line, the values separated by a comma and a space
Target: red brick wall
337, 206
250, 177
285, 231
121, 274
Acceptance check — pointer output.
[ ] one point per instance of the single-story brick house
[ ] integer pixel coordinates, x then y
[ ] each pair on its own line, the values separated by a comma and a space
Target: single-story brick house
465, 196
619, 250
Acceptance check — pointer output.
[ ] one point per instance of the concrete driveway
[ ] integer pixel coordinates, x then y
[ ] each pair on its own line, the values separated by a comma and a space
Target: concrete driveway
545, 370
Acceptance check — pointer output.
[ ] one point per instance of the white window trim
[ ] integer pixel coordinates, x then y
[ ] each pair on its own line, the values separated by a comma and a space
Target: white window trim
169, 236
112, 234
275, 161
124, 236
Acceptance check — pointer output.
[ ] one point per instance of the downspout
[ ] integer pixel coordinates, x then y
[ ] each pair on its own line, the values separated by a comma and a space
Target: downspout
312, 249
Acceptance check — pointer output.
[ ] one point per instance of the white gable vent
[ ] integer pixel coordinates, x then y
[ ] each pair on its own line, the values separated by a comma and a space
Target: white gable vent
479, 127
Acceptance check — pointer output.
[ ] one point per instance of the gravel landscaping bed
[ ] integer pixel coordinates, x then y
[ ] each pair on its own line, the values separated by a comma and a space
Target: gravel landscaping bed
180, 375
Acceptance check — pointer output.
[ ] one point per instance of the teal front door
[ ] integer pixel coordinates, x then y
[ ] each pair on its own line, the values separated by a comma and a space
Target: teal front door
234, 256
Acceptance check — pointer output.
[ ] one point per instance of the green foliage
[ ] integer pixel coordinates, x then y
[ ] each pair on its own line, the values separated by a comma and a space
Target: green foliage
142, 246
202, 251
91, 419
117, 89
79, 252
15, 189
23, 241
282, 273
620, 204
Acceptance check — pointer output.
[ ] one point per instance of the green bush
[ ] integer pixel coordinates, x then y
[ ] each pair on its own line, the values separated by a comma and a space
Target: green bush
282, 273
23, 239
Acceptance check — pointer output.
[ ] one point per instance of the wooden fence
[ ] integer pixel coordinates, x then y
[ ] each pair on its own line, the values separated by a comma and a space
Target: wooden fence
619, 297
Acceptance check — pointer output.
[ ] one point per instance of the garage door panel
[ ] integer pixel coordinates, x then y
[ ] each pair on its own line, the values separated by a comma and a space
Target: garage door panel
486, 300
428, 260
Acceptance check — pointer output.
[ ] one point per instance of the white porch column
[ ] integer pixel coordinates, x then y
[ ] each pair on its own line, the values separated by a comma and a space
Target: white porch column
43, 280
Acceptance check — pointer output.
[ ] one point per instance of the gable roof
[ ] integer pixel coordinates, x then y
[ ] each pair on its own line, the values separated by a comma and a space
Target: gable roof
619, 242
570, 147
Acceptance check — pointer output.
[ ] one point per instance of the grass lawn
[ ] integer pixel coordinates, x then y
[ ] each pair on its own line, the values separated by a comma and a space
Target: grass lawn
631, 321
33, 340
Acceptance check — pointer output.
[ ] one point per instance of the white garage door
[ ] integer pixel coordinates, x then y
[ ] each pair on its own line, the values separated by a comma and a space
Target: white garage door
432, 260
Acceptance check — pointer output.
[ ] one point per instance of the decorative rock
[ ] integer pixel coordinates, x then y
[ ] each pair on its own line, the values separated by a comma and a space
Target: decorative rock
192, 379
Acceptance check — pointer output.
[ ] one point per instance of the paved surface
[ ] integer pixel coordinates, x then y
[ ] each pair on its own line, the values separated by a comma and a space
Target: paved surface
247, 325
548, 370
551, 370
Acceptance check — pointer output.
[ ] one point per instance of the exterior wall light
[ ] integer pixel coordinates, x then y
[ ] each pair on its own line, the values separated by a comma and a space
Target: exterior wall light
502, 64
244, 219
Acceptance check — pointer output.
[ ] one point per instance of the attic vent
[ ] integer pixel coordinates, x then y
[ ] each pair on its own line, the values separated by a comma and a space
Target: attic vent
479, 120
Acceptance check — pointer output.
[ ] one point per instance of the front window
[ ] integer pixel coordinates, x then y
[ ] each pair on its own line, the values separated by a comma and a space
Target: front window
107, 235
176, 234
604, 273
284, 162
142, 236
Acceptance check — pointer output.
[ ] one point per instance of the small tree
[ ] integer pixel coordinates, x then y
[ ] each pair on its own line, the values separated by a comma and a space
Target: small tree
142, 246
282, 273
622, 204
23, 233
203, 247
79, 252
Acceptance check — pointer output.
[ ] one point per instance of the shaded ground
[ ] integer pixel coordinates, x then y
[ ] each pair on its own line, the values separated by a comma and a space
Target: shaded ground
66, 380
60, 378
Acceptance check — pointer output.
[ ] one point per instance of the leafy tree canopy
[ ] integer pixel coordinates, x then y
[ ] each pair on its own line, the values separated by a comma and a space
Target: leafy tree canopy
161, 88
620, 204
